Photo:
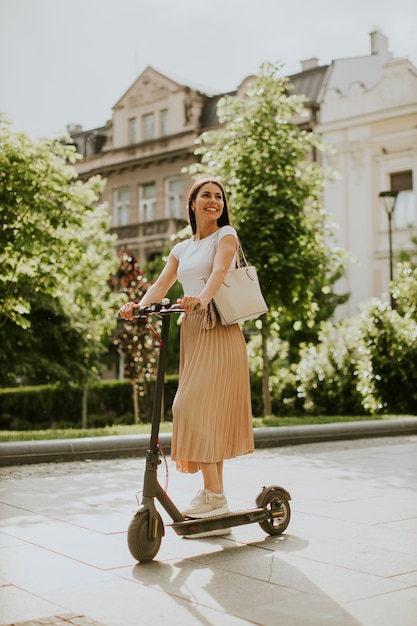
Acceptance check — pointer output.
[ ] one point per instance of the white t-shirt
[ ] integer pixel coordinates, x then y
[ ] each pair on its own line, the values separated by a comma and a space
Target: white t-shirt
195, 260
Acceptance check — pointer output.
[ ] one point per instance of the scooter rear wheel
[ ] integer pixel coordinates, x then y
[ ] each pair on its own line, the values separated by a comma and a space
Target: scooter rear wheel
144, 545
273, 500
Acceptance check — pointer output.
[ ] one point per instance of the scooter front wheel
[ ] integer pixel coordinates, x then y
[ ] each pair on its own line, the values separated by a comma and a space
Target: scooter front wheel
144, 542
275, 500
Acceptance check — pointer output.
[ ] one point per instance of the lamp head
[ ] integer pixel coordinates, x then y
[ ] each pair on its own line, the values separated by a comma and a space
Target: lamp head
389, 198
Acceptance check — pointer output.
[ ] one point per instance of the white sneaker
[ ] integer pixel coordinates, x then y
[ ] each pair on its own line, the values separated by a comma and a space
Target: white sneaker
207, 504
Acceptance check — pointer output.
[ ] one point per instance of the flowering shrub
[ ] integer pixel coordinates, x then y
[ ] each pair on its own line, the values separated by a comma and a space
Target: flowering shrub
364, 365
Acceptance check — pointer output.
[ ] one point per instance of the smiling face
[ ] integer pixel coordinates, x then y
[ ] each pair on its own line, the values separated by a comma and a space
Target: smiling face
208, 204
207, 199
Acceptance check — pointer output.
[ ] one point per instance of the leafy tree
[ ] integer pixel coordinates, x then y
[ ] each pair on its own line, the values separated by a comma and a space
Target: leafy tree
275, 191
303, 331
56, 256
134, 342
49, 350
153, 269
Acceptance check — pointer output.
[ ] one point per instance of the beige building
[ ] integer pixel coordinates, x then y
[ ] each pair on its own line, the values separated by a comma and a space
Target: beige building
141, 152
365, 107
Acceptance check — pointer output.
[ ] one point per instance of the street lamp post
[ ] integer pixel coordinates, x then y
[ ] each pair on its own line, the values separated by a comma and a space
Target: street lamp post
389, 198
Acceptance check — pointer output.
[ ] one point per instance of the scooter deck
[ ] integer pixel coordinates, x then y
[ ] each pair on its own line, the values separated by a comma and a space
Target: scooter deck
235, 518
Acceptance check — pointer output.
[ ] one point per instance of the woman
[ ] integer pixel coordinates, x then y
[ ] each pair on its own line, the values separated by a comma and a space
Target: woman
212, 415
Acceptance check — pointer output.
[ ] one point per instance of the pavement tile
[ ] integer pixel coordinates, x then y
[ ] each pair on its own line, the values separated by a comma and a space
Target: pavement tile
305, 575
131, 603
308, 610
399, 608
86, 546
18, 605
45, 570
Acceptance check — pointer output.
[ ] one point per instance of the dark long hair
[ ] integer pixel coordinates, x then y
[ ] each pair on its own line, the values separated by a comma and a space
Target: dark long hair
224, 217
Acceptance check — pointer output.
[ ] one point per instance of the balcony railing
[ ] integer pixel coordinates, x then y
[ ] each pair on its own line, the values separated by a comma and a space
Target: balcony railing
147, 230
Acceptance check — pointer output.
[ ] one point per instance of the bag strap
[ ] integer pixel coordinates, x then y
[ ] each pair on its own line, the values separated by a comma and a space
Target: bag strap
241, 254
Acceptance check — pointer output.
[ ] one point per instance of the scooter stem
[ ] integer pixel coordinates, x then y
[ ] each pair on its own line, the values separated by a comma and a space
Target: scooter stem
160, 380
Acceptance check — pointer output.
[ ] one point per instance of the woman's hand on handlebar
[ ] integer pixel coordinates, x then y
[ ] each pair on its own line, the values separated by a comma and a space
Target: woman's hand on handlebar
187, 303
126, 312
191, 303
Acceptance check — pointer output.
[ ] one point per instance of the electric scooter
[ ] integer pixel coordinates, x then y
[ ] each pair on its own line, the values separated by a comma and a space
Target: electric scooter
146, 529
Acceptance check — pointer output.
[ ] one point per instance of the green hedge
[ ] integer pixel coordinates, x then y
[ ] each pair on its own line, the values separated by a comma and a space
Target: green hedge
109, 402
47, 406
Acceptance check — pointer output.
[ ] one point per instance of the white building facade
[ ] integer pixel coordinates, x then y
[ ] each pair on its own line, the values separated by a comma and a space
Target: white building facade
369, 116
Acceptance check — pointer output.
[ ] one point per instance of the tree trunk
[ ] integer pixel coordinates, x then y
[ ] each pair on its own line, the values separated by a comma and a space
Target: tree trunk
121, 365
136, 418
266, 395
84, 405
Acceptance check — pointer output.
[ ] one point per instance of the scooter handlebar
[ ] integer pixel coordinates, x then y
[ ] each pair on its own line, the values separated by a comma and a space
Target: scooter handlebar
158, 308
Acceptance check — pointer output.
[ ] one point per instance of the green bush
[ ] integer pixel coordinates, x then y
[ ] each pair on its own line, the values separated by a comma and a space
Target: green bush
52, 406
327, 375
285, 399
388, 370
39, 407
283, 394
366, 364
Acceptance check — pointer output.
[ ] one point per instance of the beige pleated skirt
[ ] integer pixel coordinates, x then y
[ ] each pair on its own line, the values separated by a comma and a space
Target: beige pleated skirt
212, 412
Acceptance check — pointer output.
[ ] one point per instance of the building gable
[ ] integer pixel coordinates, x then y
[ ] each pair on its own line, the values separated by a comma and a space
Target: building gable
154, 99
150, 86
397, 86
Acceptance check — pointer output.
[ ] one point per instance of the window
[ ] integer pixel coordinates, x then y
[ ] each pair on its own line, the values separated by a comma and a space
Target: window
164, 122
401, 181
147, 202
405, 210
405, 214
132, 130
148, 126
121, 212
174, 203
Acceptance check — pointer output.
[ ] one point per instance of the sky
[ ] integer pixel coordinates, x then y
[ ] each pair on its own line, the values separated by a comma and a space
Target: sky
69, 61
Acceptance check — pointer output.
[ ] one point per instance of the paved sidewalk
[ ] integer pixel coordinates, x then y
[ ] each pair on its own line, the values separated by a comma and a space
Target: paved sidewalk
348, 557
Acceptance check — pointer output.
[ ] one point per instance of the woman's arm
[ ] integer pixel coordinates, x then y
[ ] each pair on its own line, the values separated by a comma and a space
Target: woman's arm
224, 255
156, 292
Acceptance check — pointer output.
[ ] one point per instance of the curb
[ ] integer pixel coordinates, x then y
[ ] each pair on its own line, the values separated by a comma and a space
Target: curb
59, 450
